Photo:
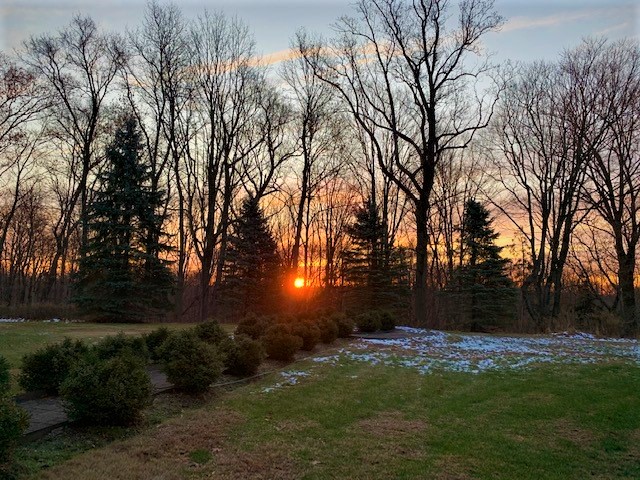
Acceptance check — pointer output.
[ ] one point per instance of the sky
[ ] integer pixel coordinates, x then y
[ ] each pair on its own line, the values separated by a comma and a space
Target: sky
533, 30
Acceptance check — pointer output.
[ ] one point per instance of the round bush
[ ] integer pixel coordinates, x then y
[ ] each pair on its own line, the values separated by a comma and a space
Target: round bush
280, 344
115, 345
309, 333
13, 421
368, 322
345, 324
210, 332
190, 363
107, 392
46, 368
328, 330
244, 356
253, 326
155, 340
5, 376
387, 321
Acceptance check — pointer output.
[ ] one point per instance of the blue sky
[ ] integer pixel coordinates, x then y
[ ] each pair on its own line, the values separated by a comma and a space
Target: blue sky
533, 29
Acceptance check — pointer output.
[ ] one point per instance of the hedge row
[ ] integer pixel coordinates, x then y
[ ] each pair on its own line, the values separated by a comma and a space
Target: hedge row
282, 336
13, 419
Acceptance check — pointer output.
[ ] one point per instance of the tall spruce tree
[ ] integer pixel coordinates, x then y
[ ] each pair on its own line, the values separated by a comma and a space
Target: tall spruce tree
122, 276
254, 270
376, 271
484, 289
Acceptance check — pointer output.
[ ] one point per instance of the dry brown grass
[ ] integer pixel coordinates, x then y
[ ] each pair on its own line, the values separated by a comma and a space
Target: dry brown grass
163, 454
390, 424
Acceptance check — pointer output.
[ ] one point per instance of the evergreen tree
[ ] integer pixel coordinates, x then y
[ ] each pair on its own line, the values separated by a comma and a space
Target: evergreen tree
486, 292
122, 276
253, 279
377, 271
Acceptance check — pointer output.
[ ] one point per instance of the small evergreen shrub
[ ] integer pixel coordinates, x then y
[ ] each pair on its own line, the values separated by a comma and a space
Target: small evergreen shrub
280, 343
328, 330
244, 356
13, 421
387, 321
368, 322
210, 332
308, 332
190, 363
253, 326
345, 324
114, 345
155, 340
110, 391
5, 376
46, 368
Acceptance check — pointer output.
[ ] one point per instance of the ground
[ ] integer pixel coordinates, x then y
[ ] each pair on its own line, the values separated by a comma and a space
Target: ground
434, 405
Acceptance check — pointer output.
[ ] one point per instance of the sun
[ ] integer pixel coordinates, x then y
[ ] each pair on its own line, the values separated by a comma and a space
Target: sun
298, 282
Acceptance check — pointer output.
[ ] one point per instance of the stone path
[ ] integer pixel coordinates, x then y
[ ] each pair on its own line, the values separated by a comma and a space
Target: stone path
46, 414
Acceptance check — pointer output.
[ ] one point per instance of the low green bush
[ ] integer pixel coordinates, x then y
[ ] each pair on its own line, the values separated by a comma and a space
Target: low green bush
280, 343
13, 421
111, 391
368, 322
114, 345
154, 341
308, 332
344, 323
5, 376
253, 326
45, 369
210, 332
387, 321
328, 330
190, 363
244, 356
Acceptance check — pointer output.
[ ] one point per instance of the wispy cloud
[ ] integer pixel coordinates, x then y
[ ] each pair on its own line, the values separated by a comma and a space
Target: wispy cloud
614, 28
522, 23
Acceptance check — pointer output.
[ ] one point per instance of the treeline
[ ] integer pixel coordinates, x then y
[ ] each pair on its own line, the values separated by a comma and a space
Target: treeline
354, 160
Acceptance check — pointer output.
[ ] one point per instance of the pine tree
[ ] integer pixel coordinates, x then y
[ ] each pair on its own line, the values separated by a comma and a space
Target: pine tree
253, 280
484, 288
122, 276
376, 271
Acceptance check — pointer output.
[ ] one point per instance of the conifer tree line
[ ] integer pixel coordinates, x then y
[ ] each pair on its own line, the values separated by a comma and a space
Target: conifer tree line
171, 171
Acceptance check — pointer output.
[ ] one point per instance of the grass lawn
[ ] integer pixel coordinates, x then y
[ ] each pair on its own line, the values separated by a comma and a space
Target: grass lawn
17, 339
363, 421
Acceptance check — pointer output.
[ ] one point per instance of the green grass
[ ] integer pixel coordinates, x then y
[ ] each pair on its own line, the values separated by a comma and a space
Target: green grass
361, 421
550, 423
18, 339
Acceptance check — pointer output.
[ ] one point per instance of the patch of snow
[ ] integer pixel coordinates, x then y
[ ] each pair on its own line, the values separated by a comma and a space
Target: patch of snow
12, 320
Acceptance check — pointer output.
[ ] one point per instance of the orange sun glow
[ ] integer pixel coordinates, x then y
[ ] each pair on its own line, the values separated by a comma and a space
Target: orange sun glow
298, 282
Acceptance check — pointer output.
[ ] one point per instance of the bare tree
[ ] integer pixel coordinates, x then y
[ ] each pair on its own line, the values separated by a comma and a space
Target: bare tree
405, 67
614, 170
76, 68
227, 95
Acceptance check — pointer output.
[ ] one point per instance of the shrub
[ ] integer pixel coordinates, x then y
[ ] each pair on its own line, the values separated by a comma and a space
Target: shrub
13, 421
110, 391
387, 321
368, 322
155, 340
345, 324
328, 330
244, 356
190, 363
308, 332
210, 332
5, 376
46, 368
253, 326
280, 343
114, 345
